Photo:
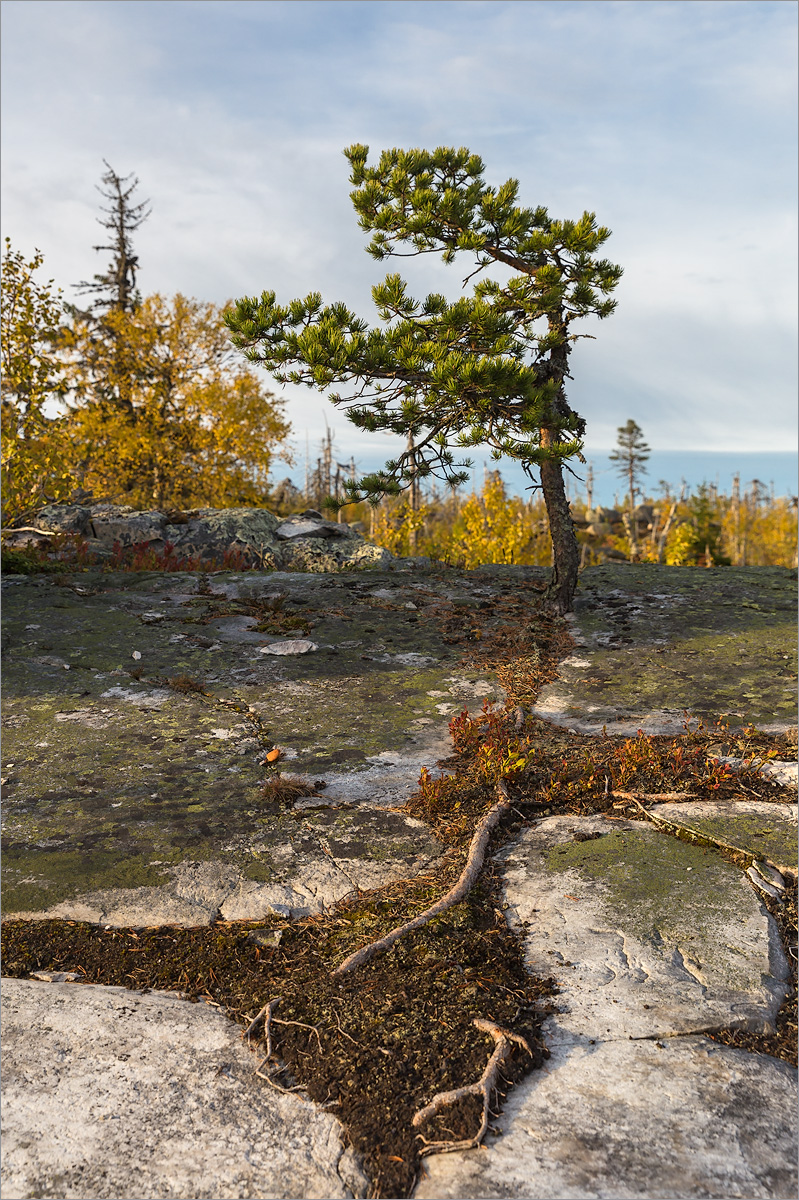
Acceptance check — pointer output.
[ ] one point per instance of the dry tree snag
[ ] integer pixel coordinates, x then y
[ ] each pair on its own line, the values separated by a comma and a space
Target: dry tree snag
468, 877
485, 1085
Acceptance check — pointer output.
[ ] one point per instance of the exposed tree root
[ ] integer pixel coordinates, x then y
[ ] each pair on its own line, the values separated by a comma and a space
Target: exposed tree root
637, 797
474, 863
504, 1040
485, 1085
264, 1015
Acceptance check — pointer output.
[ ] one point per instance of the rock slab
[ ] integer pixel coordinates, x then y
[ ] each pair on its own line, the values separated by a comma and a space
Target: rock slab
650, 941
647, 936
669, 1120
125, 1095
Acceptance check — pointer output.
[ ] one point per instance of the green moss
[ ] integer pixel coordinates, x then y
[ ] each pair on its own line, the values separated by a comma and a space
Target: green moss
659, 885
718, 643
772, 837
35, 879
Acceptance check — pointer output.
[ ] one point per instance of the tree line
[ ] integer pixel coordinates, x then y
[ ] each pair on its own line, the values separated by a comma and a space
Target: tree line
706, 528
153, 401
141, 400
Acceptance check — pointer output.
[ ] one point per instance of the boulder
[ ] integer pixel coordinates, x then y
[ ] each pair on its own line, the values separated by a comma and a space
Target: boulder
253, 536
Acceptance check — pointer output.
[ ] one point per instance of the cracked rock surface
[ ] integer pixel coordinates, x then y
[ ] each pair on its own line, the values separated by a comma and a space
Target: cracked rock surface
651, 941
129, 802
646, 936
92, 1086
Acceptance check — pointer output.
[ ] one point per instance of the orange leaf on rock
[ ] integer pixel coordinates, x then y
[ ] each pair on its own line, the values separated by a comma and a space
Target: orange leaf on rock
273, 755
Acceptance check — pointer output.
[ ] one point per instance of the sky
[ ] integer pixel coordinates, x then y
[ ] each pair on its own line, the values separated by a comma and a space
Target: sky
673, 120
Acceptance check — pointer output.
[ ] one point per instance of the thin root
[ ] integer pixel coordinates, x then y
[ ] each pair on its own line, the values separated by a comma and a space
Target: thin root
485, 1085
474, 863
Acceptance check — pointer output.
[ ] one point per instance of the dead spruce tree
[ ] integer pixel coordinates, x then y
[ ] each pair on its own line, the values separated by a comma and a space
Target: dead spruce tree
488, 369
115, 289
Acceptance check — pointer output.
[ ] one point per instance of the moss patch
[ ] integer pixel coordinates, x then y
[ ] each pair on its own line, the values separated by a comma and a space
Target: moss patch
719, 643
656, 882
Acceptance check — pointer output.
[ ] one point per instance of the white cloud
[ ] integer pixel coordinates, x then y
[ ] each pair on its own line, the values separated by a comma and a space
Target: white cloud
673, 122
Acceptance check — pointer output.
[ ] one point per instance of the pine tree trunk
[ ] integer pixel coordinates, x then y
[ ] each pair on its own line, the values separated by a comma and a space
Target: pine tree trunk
566, 554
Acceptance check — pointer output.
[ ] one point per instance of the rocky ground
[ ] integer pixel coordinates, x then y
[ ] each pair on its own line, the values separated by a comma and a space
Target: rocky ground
212, 788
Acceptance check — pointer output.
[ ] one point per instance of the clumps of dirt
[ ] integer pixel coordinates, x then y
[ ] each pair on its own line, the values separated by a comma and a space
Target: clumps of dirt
186, 684
383, 1040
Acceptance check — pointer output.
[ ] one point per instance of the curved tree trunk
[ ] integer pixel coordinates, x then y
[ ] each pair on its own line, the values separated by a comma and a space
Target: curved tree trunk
563, 582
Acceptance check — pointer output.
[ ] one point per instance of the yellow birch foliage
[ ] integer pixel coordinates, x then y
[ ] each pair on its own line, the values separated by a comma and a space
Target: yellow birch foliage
393, 528
35, 446
490, 528
496, 528
164, 414
761, 532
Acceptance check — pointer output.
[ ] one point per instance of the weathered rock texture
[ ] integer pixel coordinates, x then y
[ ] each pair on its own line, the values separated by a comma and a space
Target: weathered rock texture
649, 940
124, 1095
302, 542
128, 802
678, 1119
767, 832
657, 645
647, 936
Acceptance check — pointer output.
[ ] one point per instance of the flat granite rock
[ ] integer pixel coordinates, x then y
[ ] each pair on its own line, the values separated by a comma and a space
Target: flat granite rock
120, 789
657, 644
650, 941
767, 831
646, 936
678, 1119
123, 1094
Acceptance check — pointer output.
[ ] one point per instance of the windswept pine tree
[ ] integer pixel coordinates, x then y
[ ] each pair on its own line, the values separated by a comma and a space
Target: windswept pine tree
487, 369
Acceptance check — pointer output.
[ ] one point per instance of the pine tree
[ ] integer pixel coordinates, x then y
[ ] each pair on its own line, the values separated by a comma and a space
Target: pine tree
488, 369
630, 456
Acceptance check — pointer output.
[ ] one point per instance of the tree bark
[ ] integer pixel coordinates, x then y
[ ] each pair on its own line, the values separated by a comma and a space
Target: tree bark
566, 553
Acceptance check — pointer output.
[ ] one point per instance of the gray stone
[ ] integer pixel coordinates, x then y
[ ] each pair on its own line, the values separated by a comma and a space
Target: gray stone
672, 1119
262, 539
646, 936
649, 940
120, 1094
292, 646
298, 527
763, 885
657, 643
155, 778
